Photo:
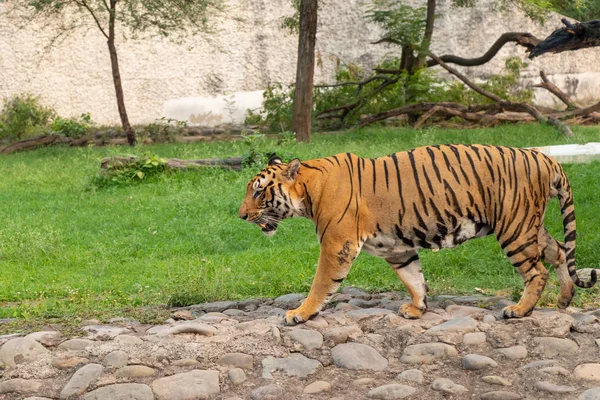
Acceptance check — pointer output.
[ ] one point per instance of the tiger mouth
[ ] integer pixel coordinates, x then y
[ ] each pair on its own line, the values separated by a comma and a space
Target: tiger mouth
268, 228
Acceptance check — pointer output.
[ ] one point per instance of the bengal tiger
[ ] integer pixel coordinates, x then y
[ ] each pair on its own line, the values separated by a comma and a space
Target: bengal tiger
430, 197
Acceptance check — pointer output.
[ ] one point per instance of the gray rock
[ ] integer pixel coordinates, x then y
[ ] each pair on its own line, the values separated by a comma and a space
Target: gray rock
121, 391
46, 338
184, 362
474, 338
217, 306
473, 362
116, 359
357, 315
363, 381
317, 387
551, 346
590, 394
341, 334
21, 350
555, 371
196, 384
104, 332
391, 392
270, 392
463, 311
455, 325
500, 395
514, 352
295, 364
81, 380
309, 339
588, 371
501, 336
135, 371
554, 323
413, 375
236, 360
356, 292
20, 386
67, 362
233, 312
585, 323
189, 327
447, 386
489, 318
76, 344
128, 340
357, 356
236, 376
552, 388
496, 380
364, 303
289, 301
426, 353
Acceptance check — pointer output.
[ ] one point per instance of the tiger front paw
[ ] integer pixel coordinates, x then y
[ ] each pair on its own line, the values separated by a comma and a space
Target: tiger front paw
515, 312
410, 311
294, 317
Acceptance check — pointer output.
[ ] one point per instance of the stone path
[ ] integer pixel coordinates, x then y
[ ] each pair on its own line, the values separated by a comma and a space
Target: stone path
359, 348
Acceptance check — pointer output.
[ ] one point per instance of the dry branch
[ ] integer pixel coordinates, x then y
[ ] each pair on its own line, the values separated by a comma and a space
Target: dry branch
552, 88
34, 143
571, 37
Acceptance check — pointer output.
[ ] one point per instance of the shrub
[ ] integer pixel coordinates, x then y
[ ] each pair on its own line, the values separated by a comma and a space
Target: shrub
72, 127
142, 169
163, 130
23, 116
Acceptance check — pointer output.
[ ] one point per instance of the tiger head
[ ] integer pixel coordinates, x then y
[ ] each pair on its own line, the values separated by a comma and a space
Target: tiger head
271, 196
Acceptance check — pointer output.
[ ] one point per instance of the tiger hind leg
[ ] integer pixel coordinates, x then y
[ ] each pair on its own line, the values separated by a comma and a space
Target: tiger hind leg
523, 253
408, 269
553, 252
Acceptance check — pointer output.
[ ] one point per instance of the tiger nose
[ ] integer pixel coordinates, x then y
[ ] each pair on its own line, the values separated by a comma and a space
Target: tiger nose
243, 214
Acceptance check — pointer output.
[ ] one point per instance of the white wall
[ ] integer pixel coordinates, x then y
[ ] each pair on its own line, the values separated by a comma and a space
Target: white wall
161, 78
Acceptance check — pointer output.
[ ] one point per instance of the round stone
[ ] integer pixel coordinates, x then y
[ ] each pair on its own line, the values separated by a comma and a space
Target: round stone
189, 327
555, 371
341, 334
588, 371
488, 319
309, 339
456, 325
472, 362
447, 386
20, 386
391, 392
514, 352
187, 385
135, 371
413, 375
552, 388
357, 356
121, 391
128, 340
363, 381
269, 392
68, 362
496, 380
76, 344
425, 353
236, 376
116, 359
295, 364
317, 387
500, 395
474, 338
81, 380
590, 394
236, 360
21, 350
551, 346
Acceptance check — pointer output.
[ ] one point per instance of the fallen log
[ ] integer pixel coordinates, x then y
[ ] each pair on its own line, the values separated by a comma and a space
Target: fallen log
30, 144
572, 37
233, 163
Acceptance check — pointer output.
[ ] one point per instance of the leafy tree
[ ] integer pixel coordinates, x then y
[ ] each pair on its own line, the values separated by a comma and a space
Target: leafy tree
581, 10
152, 17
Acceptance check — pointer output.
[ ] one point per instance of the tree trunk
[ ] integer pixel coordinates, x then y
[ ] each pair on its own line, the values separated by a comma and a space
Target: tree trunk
114, 63
301, 118
429, 24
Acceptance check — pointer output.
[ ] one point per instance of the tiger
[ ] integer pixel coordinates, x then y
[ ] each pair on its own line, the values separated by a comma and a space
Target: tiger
430, 197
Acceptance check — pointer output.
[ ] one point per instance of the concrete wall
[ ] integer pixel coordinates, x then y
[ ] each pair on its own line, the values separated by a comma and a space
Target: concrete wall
198, 79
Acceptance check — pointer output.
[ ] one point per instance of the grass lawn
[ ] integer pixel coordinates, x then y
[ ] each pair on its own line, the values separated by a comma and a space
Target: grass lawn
69, 251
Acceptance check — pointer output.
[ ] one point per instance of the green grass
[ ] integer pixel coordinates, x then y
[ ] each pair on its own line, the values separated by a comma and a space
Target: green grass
70, 251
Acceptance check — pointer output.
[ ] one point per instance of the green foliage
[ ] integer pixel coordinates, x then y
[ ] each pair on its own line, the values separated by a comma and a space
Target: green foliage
163, 130
277, 108
72, 127
23, 116
292, 23
401, 23
141, 169
581, 10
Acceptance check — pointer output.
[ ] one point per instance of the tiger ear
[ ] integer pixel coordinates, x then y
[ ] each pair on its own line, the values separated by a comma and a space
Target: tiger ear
274, 160
292, 169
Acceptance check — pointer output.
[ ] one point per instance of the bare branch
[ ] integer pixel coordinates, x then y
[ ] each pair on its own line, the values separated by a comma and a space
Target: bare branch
84, 4
552, 88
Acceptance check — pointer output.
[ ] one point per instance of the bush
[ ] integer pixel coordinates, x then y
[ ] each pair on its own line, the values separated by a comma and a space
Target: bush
143, 169
72, 127
163, 130
23, 116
